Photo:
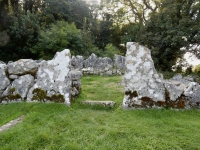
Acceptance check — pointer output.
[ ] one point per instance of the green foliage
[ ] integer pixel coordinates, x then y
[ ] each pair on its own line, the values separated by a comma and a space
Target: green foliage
176, 25
129, 32
167, 74
110, 50
21, 22
4, 38
58, 37
21, 35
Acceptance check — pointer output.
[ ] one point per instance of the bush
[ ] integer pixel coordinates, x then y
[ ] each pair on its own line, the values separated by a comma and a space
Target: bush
110, 50
59, 36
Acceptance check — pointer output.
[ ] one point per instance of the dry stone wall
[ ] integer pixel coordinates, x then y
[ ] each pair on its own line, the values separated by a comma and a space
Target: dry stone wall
98, 65
47, 81
145, 89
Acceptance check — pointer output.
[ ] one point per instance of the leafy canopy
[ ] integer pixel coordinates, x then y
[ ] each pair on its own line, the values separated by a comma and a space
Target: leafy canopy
59, 36
175, 25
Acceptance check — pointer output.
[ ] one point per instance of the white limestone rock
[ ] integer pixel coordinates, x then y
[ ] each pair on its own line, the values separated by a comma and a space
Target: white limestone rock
106, 103
119, 62
77, 62
22, 85
54, 76
22, 67
13, 77
192, 93
76, 75
76, 83
97, 65
89, 63
184, 89
143, 87
4, 81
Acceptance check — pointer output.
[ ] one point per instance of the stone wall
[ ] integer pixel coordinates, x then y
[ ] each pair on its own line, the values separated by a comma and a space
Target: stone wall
47, 81
98, 65
145, 89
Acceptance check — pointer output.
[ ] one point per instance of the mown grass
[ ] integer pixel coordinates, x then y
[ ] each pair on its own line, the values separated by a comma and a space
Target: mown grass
56, 126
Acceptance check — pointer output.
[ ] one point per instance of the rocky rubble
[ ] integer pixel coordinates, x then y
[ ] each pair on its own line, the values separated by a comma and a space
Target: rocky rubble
144, 88
32, 80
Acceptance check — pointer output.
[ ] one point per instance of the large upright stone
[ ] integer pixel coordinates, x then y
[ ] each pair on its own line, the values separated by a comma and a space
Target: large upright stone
4, 81
22, 67
143, 87
54, 77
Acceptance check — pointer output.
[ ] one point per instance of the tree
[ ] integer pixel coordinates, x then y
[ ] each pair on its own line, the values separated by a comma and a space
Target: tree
21, 21
132, 10
58, 37
176, 25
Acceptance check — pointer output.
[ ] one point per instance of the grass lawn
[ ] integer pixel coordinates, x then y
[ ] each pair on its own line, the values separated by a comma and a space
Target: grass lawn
80, 127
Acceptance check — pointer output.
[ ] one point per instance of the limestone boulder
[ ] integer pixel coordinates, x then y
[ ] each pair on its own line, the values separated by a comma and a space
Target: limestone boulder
143, 86
77, 62
3, 63
4, 81
13, 77
103, 64
184, 91
174, 89
192, 94
23, 66
176, 86
183, 80
76, 83
89, 63
97, 65
106, 103
119, 62
53, 78
76, 75
22, 85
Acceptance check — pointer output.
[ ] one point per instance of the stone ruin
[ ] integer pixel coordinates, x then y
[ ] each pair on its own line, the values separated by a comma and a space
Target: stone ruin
144, 88
47, 81
99, 66
58, 80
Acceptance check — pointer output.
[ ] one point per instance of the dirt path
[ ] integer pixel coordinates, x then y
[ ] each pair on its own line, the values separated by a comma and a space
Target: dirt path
11, 123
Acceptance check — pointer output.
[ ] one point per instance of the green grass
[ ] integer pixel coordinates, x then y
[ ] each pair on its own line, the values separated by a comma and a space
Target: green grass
56, 126
102, 88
